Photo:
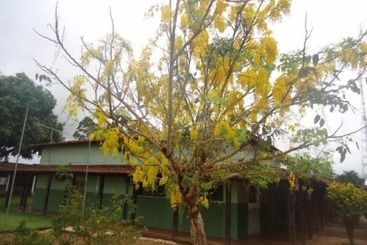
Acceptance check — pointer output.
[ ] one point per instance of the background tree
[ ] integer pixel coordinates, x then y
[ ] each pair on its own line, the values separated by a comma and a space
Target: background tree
351, 177
350, 202
307, 166
209, 96
16, 93
85, 128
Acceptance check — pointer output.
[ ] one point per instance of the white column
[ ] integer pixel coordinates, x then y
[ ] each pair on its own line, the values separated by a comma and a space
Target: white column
33, 184
7, 183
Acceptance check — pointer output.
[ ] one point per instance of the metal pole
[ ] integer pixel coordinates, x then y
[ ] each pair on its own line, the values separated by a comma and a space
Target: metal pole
15, 169
86, 177
52, 131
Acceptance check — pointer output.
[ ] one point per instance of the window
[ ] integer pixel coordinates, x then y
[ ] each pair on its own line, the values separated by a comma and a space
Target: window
159, 191
216, 194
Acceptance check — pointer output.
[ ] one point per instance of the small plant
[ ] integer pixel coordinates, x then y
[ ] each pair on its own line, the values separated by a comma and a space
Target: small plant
95, 226
67, 226
106, 225
27, 236
63, 173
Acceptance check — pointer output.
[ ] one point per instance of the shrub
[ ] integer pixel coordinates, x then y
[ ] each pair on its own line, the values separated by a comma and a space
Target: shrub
27, 236
348, 201
95, 226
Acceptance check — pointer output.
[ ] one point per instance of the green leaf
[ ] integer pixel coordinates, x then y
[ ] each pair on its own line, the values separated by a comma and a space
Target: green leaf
342, 156
317, 118
322, 122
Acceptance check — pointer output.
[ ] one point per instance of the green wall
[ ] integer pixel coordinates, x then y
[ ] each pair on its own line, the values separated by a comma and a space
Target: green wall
76, 154
56, 199
92, 192
113, 185
239, 218
155, 212
214, 220
40, 192
213, 217
56, 196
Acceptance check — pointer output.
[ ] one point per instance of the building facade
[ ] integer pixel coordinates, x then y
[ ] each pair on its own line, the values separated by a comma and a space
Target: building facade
237, 210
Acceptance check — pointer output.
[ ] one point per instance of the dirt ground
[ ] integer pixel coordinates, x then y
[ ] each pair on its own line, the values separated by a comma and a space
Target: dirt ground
152, 241
335, 234
7, 239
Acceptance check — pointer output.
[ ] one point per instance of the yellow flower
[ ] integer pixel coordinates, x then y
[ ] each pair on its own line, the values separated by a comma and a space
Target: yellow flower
194, 134
185, 21
218, 129
204, 202
271, 50
221, 6
179, 42
220, 24
363, 47
176, 197
349, 56
279, 90
292, 181
108, 67
166, 13
200, 43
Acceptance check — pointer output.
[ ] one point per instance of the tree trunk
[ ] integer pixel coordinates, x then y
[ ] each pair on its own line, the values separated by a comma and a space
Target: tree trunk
350, 223
197, 230
292, 217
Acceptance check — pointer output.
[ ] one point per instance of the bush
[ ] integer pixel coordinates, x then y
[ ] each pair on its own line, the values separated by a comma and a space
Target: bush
348, 201
71, 216
27, 236
95, 226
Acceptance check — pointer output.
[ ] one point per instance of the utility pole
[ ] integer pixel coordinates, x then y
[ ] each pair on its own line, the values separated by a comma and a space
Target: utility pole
364, 132
52, 131
15, 169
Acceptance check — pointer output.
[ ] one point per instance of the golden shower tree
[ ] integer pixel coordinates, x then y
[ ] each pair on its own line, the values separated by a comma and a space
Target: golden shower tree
207, 98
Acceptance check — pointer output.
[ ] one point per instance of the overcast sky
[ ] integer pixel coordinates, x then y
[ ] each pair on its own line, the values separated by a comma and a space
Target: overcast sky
330, 21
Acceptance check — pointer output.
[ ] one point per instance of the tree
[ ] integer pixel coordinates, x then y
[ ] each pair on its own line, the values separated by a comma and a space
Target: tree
85, 128
350, 202
16, 93
350, 177
207, 99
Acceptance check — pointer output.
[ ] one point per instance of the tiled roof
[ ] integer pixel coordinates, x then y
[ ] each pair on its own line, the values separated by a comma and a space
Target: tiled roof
69, 142
98, 169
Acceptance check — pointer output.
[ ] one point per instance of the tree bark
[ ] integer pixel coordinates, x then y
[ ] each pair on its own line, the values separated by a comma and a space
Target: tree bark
350, 223
292, 218
197, 229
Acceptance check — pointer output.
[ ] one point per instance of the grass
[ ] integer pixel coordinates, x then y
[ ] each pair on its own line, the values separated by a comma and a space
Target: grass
34, 221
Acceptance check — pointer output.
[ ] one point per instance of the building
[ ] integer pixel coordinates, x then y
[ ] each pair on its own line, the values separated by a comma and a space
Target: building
237, 210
